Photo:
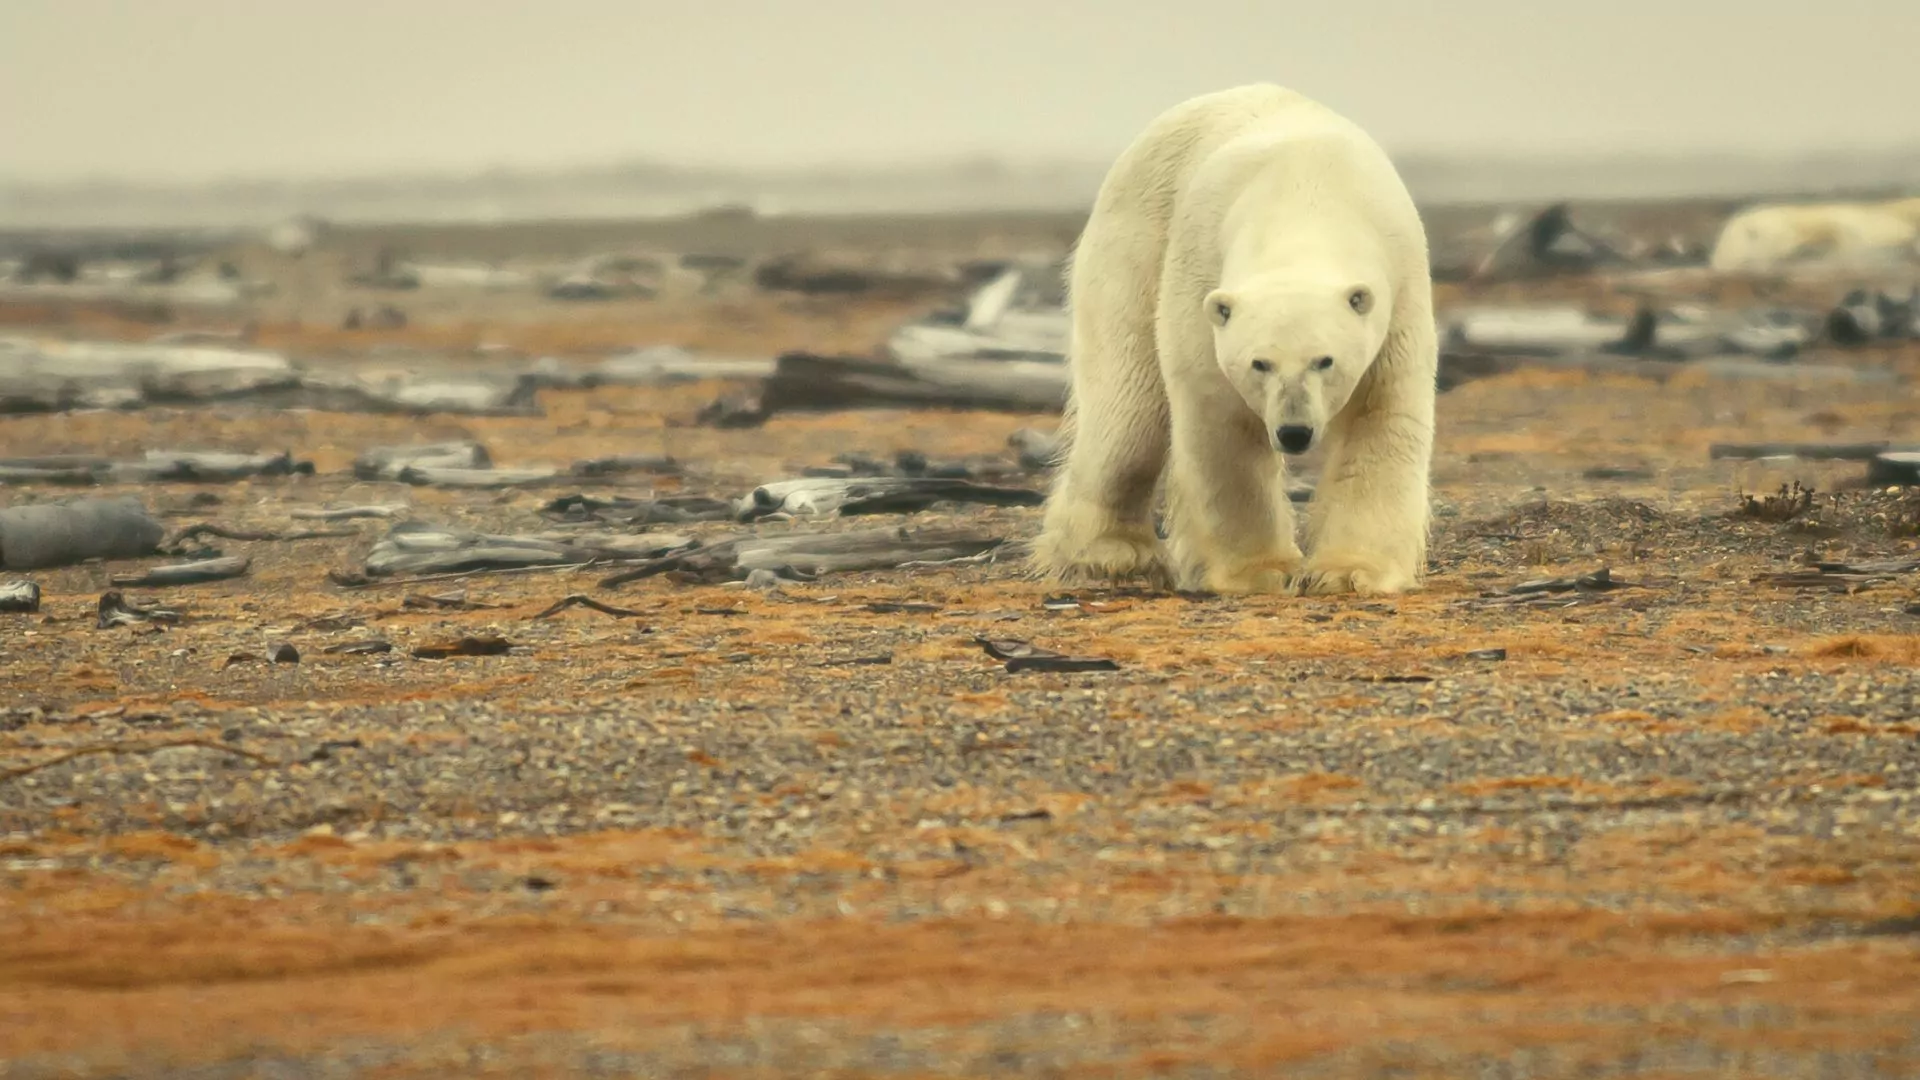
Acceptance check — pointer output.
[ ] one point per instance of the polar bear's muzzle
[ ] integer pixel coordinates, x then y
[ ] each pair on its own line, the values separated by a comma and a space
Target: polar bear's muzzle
1293, 438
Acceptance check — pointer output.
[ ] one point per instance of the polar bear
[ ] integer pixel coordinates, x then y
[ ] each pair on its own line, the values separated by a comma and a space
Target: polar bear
1252, 283
1768, 237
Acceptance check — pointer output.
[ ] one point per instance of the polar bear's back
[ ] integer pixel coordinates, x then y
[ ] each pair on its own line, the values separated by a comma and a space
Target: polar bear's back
1194, 161
1179, 144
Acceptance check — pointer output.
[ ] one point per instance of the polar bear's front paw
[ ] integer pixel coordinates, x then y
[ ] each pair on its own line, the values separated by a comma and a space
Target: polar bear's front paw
1272, 575
1109, 558
1334, 574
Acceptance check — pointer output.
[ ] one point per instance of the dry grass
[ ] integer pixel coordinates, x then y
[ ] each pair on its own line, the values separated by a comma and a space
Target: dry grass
1128, 899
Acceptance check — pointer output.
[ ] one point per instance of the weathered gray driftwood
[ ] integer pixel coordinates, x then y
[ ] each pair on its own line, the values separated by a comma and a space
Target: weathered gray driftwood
910, 463
227, 532
204, 466
420, 548
1802, 451
349, 513
388, 462
622, 510
668, 364
618, 464
874, 495
1649, 334
197, 572
804, 382
807, 554
413, 547
1001, 322
157, 466
435, 476
1005, 352
67, 469
61, 534
1457, 367
56, 376
411, 394
618, 545
1775, 337
466, 276
1532, 331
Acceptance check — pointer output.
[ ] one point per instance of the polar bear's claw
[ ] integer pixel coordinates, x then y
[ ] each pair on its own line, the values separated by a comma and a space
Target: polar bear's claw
1110, 558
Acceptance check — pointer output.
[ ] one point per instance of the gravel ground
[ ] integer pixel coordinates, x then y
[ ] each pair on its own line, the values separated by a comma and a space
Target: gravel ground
1659, 830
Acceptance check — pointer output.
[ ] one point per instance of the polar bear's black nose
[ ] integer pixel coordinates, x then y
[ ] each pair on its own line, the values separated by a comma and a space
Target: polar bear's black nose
1294, 438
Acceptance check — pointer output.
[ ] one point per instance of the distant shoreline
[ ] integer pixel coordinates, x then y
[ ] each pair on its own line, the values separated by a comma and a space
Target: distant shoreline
662, 192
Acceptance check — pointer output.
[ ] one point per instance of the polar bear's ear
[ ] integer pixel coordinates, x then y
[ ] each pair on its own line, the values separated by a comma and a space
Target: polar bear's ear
1219, 306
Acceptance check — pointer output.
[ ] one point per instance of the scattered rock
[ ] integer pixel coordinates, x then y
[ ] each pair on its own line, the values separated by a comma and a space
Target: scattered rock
1894, 468
1865, 317
19, 597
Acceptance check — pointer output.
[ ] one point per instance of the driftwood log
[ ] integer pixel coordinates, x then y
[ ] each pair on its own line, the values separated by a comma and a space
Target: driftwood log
1802, 451
807, 554
807, 382
388, 462
39, 376
198, 572
156, 467
623, 510
420, 548
875, 495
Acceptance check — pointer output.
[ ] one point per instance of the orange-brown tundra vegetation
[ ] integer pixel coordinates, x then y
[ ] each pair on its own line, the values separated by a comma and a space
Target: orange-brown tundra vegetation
1669, 829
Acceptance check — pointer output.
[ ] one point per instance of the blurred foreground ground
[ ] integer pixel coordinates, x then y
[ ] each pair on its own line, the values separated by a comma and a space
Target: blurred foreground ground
1666, 830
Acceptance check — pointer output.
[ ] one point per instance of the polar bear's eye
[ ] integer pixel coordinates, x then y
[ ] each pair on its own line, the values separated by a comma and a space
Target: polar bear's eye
1323, 363
1262, 366
1360, 300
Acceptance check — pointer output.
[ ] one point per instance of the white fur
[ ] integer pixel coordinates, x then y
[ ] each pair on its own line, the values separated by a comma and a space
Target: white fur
1263, 199
1765, 238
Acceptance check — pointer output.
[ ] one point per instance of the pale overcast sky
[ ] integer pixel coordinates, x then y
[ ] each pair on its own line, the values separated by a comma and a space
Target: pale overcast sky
169, 89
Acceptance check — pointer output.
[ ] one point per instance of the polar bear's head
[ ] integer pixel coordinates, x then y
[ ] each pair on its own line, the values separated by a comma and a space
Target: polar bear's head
1296, 348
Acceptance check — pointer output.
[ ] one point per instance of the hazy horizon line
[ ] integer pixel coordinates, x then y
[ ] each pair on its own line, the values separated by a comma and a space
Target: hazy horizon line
999, 161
